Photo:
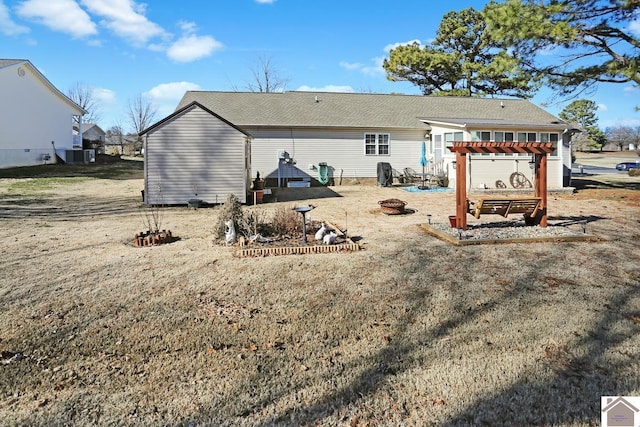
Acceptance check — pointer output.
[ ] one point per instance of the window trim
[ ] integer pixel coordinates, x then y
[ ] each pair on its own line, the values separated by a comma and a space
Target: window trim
477, 135
379, 141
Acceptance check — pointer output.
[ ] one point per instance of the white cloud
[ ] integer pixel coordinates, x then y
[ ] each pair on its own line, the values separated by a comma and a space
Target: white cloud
7, 26
351, 66
328, 88
190, 46
165, 96
59, 15
105, 96
170, 91
188, 27
634, 27
602, 107
631, 90
265, 1
374, 70
126, 19
388, 48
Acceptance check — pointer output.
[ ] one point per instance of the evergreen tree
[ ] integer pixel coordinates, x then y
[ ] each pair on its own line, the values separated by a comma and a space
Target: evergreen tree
462, 60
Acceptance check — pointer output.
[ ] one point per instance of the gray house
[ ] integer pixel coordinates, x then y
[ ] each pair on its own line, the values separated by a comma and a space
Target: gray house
195, 154
93, 137
299, 136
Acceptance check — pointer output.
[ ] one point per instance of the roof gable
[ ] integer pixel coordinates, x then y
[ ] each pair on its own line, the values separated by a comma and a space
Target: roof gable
329, 109
182, 110
86, 127
7, 63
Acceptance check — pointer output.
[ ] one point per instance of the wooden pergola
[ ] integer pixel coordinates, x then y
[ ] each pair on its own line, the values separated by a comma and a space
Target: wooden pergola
538, 149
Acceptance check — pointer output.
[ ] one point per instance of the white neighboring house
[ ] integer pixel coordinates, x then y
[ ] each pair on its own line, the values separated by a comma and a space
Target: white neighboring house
28, 98
293, 133
93, 136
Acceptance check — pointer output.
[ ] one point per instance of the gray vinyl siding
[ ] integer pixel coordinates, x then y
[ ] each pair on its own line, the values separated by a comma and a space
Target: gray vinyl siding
342, 149
195, 152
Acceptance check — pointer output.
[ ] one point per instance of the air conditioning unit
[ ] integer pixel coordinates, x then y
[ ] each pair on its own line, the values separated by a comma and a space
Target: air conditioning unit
89, 156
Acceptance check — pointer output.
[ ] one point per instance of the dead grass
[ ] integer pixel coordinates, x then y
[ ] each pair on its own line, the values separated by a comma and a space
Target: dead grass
408, 331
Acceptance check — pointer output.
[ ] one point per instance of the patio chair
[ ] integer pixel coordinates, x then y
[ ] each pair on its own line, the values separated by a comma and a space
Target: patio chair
397, 176
412, 176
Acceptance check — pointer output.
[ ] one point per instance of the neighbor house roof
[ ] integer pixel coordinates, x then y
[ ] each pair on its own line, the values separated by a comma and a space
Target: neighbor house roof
329, 109
4, 63
88, 126
8, 62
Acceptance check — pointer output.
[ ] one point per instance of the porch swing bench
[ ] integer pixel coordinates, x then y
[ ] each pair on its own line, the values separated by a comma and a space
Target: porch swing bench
504, 206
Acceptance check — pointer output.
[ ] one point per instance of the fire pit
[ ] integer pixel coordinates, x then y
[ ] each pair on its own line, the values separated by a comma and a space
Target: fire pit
303, 211
392, 206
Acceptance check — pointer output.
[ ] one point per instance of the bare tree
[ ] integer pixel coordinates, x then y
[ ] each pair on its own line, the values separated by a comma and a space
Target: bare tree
115, 136
142, 113
624, 136
83, 96
266, 77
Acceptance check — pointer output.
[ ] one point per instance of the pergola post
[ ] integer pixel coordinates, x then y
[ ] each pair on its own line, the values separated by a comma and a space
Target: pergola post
461, 190
541, 186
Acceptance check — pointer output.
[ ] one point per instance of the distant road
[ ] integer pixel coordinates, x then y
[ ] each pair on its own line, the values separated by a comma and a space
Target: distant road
579, 169
601, 163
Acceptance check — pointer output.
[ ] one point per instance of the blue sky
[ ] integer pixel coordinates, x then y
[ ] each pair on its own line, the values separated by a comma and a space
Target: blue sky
122, 49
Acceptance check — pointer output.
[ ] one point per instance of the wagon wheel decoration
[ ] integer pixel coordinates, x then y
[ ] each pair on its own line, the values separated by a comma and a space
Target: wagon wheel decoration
500, 184
518, 180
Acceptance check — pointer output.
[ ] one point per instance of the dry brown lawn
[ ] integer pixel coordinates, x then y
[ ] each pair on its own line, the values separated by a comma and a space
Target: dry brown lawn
408, 331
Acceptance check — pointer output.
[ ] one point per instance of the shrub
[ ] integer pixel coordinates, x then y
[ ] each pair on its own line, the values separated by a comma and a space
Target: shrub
286, 222
634, 172
253, 223
230, 210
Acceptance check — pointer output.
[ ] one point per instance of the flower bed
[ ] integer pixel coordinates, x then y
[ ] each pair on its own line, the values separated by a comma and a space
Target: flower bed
295, 246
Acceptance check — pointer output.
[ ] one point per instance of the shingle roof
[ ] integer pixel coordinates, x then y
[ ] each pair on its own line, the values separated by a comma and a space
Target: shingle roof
329, 109
88, 126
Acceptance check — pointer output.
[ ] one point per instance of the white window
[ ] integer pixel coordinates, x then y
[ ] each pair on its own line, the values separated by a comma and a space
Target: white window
449, 137
480, 136
376, 144
502, 137
550, 137
527, 137
437, 147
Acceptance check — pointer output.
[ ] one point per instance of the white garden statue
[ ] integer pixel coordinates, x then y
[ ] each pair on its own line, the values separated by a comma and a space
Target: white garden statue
230, 233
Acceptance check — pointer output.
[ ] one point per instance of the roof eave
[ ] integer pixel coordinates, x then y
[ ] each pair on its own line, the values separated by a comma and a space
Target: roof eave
53, 89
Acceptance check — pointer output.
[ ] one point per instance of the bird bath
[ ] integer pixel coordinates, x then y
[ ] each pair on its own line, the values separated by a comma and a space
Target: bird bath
303, 211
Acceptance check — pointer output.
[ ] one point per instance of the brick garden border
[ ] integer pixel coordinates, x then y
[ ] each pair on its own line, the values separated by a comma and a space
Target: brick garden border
246, 251
143, 239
